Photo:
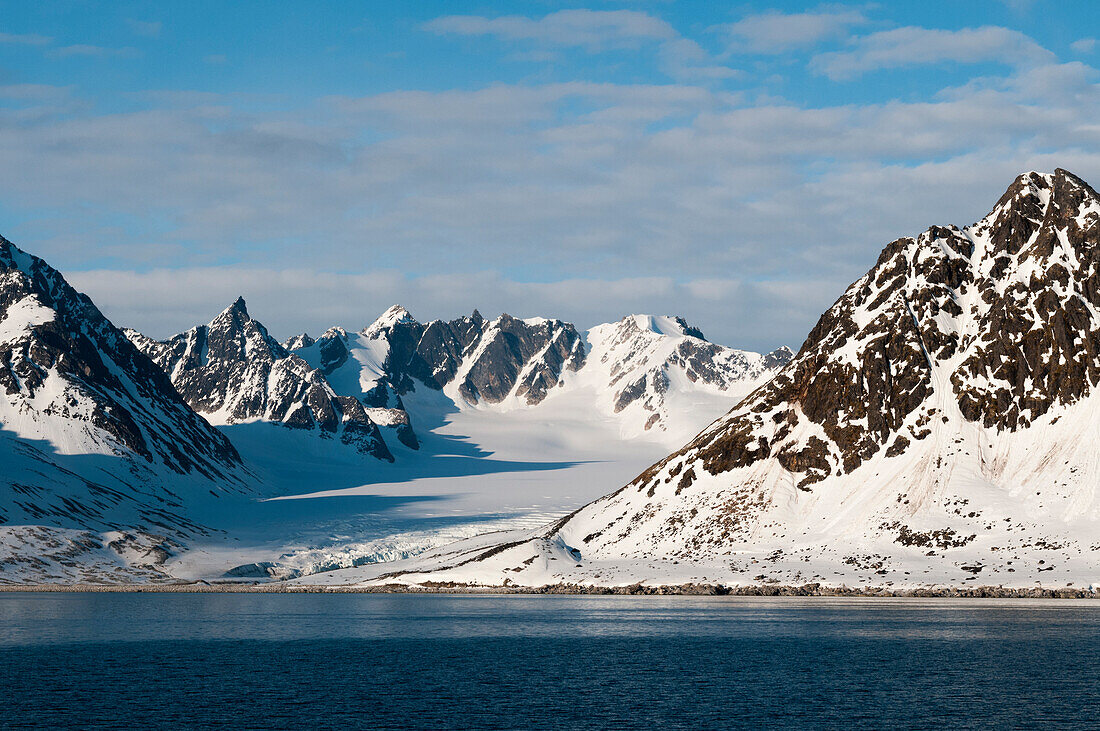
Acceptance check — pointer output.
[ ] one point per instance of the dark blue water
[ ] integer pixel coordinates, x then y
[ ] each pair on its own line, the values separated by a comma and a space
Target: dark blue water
441, 662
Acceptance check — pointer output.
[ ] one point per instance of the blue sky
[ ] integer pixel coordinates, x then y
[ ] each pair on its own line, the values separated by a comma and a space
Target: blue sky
735, 164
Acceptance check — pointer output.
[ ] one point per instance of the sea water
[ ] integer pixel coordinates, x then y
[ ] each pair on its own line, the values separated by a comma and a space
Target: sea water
303, 661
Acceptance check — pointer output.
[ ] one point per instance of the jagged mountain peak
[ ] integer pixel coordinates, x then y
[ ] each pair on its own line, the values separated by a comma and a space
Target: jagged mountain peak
294, 342
235, 335
779, 357
1032, 210
233, 371
235, 315
395, 316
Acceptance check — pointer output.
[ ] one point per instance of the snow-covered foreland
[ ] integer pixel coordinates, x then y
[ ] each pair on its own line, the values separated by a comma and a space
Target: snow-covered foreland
939, 427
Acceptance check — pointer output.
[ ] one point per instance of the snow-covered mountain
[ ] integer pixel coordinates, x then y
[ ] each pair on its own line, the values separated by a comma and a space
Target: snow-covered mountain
654, 376
474, 360
660, 374
650, 374
93, 437
232, 371
938, 426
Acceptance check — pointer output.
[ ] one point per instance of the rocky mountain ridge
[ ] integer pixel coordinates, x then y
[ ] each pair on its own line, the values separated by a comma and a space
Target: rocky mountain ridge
233, 371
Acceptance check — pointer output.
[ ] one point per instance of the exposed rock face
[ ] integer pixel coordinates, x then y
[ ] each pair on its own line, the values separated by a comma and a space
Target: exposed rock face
73, 388
430, 354
521, 357
488, 361
233, 371
1004, 311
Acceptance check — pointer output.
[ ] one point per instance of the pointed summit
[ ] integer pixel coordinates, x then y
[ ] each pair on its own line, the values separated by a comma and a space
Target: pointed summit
1034, 207
237, 310
394, 316
294, 342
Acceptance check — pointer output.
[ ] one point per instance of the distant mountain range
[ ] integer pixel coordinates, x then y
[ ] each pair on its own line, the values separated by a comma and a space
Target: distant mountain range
939, 426
643, 370
113, 442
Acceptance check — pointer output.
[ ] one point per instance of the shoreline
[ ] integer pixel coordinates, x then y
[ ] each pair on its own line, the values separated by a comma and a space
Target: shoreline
804, 591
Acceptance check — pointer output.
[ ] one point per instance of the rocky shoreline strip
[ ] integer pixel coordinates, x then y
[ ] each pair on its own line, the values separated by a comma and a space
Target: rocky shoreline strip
806, 590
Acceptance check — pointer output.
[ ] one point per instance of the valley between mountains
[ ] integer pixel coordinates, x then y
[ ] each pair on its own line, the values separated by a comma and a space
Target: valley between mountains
939, 427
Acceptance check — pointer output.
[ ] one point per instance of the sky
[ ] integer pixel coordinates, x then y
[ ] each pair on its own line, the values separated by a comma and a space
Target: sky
737, 164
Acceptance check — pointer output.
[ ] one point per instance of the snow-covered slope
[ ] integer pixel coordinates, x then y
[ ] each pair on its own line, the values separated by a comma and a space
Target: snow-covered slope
660, 375
939, 425
232, 371
93, 437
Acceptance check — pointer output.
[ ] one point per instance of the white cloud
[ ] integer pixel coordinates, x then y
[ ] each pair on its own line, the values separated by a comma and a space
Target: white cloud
593, 187
685, 59
25, 39
35, 92
913, 46
775, 32
148, 29
594, 30
1084, 45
